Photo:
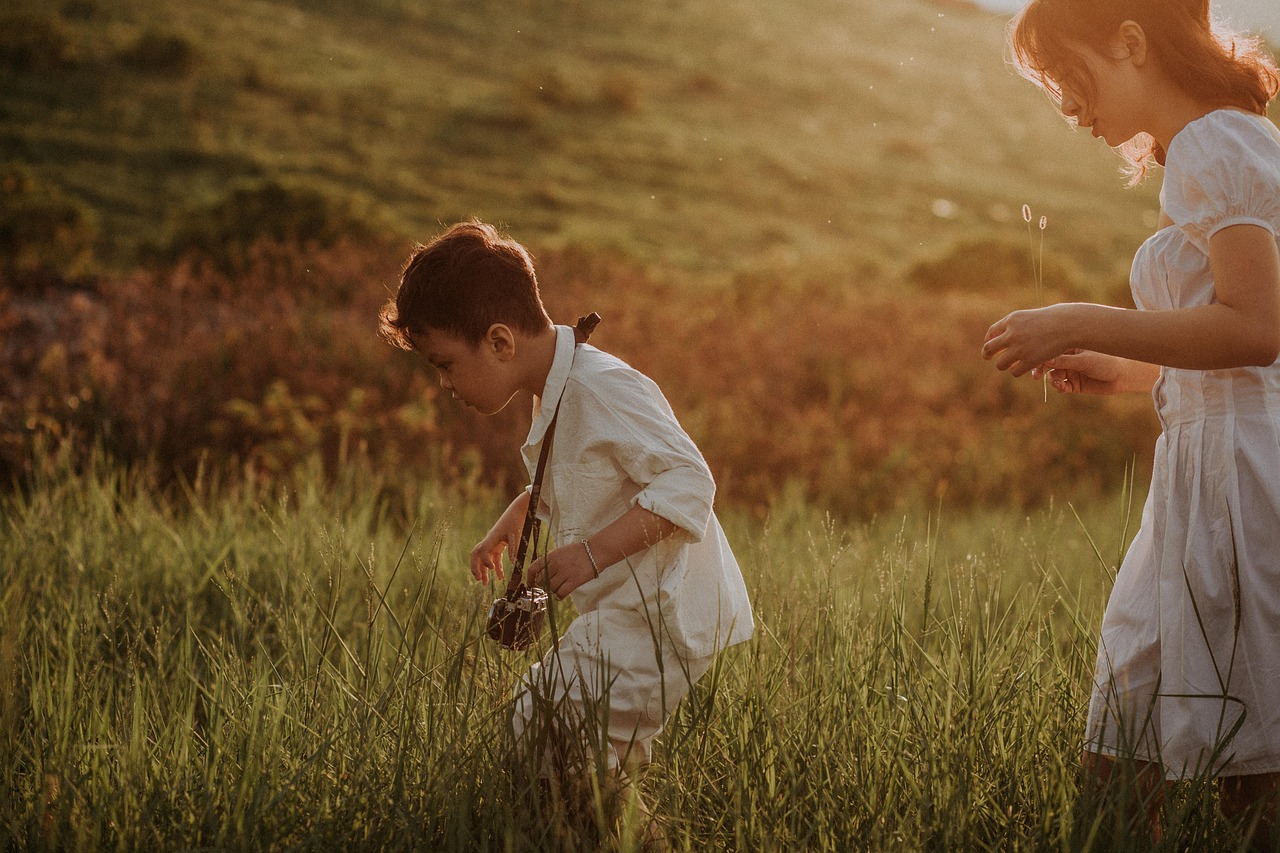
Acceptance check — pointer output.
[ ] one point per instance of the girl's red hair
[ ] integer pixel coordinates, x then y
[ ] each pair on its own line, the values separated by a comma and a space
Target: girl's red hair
1205, 61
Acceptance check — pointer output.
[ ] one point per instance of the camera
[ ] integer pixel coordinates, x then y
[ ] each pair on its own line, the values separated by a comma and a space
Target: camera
516, 620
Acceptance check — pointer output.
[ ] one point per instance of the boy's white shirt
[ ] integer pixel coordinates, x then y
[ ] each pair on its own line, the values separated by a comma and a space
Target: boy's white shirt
617, 444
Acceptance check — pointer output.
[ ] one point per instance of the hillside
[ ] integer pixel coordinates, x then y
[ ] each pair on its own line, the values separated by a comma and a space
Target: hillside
699, 136
798, 219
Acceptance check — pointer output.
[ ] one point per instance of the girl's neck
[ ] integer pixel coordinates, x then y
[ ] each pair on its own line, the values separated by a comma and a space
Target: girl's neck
1176, 110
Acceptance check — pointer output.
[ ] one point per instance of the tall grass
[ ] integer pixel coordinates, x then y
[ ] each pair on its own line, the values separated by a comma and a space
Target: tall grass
302, 666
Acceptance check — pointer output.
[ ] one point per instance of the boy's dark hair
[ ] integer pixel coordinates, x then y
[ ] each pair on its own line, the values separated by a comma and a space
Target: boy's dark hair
461, 283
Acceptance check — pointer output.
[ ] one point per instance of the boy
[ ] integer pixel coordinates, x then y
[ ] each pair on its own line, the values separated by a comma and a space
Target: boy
627, 495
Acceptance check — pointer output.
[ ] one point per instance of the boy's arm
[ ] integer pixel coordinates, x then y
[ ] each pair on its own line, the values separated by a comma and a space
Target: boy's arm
503, 536
570, 566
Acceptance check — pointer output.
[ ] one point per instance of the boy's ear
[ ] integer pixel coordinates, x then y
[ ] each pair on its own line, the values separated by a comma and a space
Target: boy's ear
1130, 42
501, 341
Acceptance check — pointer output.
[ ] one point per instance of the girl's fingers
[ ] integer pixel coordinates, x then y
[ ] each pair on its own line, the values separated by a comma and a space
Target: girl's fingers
1006, 360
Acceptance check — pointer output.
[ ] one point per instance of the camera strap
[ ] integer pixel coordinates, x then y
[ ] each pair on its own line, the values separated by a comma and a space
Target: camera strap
532, 525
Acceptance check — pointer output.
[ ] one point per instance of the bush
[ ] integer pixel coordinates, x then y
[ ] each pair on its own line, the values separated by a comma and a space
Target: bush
160, 53
995, 267
34, 43
852, 394
225, 230
40, 231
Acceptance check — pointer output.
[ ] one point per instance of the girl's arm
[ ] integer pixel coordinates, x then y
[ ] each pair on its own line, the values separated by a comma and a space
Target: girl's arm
503, 536
568, 567
1080, 372
1241, 329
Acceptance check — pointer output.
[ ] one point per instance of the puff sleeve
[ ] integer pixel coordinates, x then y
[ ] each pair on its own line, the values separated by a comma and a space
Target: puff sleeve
1223, 169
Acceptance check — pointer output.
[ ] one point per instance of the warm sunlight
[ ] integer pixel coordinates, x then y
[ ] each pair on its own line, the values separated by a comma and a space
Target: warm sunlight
569, 425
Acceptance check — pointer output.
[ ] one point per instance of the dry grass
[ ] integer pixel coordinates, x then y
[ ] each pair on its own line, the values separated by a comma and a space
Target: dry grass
862, 394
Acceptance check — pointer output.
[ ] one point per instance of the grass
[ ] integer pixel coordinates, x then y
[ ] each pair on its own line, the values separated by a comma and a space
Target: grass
303, 666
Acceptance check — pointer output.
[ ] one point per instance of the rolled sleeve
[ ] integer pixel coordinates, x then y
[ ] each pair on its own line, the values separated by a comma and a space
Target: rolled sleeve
684, 497
635, 427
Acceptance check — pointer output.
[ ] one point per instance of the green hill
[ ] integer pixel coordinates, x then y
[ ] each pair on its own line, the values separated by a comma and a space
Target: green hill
699, 136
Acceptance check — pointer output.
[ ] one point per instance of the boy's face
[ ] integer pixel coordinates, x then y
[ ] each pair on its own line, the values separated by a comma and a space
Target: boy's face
479, 375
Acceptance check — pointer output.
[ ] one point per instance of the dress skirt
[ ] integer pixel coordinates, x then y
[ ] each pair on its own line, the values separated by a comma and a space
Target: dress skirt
1188, 669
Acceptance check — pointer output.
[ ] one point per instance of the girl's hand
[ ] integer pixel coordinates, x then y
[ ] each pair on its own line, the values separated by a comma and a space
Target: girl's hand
1025, 340
563, 570
1082, 372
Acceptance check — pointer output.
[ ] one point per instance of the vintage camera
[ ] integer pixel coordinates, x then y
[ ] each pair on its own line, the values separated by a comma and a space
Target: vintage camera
516, 620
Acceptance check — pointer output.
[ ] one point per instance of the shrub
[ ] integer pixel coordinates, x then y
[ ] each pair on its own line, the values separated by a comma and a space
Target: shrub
992, 266
225, 230
41, 232
853, 394
34, 43
621, 94
161, 54
80, 10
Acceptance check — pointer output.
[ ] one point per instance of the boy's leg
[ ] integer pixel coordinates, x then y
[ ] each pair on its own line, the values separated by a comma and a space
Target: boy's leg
633, 810
1253, 801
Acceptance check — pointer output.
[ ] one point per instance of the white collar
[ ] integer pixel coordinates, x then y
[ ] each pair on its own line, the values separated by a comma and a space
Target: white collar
557, 378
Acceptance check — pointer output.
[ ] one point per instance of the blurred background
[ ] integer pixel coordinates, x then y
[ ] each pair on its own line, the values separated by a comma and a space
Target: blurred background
1261, 17
798, 217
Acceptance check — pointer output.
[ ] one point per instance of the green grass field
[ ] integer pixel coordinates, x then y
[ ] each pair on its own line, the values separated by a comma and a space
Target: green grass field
303, 667
799, 217
713, 137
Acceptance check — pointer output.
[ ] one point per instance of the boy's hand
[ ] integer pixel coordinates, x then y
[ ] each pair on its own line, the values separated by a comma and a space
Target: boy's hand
563, 570
503, 536
487, 556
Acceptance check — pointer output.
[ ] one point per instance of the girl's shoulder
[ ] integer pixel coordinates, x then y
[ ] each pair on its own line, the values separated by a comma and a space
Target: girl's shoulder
1223, 169
1223, 136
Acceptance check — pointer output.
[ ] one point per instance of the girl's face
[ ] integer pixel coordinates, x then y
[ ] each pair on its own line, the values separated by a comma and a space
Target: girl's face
1112, 107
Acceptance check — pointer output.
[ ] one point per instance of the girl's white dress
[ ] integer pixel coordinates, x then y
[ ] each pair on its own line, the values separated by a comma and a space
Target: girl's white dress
1188, 670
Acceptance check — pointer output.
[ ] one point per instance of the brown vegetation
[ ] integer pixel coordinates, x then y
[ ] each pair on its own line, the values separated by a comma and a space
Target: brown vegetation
864, 395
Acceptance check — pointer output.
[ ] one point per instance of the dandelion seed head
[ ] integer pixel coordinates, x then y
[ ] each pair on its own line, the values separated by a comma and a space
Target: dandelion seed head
1026, 213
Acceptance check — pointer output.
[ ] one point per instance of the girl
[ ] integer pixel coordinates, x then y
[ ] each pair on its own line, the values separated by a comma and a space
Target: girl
1188, 672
